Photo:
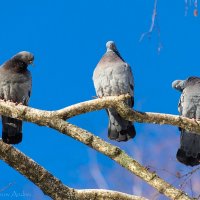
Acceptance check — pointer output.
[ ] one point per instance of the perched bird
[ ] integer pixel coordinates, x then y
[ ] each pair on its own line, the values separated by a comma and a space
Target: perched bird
189, 106
113, 76
15, 86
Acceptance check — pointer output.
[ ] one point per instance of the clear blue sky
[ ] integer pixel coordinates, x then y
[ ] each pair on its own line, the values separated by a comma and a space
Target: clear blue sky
68, 39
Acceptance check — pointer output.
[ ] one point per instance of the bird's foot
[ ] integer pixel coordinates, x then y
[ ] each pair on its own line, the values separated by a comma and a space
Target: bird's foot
18, 103
195, 121
1, 99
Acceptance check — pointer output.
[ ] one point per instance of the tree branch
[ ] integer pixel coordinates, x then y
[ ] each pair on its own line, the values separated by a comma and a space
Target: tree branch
128, 113
154, 25
120, 157
54, 119
88, 106
41, 117
93, 194
158, 118
37, 174
48, 183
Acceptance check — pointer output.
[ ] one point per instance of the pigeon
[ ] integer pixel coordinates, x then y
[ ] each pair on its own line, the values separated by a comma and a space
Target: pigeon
189, 106
112, 77
15, 86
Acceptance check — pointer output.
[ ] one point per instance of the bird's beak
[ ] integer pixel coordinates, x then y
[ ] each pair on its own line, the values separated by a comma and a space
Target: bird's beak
31, 63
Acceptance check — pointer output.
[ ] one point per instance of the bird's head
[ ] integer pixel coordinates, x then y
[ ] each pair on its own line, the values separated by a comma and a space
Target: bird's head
178, 85
110, 45
25, 57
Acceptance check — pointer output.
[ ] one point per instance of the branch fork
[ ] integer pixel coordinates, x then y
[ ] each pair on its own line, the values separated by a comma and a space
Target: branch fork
56, 120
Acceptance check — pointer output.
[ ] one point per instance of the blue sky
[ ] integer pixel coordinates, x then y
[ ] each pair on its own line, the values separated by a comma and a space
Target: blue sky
68, 39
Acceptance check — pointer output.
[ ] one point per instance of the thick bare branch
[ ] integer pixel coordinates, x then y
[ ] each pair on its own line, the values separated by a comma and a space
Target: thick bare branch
158, 118
41, 116
37, 174
53, 120
88, 106
107, 194
120, 157
51, 185
128, 113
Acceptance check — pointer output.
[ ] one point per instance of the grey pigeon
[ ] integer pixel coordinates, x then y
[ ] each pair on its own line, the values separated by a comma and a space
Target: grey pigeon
189, 106
15, 86
112, 76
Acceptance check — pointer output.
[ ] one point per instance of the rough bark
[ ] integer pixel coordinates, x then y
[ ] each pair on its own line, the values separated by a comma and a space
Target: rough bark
55, 120
50, 185
120, 157
93, 194
41, 117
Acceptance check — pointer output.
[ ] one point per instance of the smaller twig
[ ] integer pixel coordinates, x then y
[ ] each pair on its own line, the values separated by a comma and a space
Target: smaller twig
191, 172
191, 188
152, 26
164, 170
187, 177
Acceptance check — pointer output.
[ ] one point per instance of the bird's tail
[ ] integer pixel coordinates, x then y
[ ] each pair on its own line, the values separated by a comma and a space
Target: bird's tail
189, 151
119, 129
12, 130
